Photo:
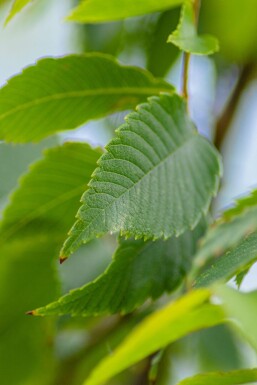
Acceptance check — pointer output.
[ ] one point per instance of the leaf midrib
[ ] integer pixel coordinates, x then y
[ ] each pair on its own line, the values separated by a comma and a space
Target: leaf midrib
84, 93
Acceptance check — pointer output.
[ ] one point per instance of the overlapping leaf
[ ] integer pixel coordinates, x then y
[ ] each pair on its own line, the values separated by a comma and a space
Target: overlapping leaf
230, 264
241, 308
160, 55
92, 11
241, 205
235, 377
188, 314
60, 94
34, 226
234, 225
139, 270
186, 38
156, 179
18, 158
49, 194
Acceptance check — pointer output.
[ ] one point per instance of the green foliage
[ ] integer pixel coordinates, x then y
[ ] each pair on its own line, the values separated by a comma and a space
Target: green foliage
241, 205
156, 150
61, 94
240, 308
160, 55
25, 265
49, 194
92, 11
243, 376
210, 344
186, 38
235, 28
152, 185
17, 6
18, 158
231, 263
234, 225
139, 270
188, 314
33, 228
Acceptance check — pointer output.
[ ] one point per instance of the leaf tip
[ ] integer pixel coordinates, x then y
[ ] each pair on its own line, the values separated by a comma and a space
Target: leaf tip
62, 259
31, 312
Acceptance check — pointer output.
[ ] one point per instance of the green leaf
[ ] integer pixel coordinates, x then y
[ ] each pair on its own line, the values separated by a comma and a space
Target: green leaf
243, 376
139, 270
186, 38
18, 158
231, 263
48, 196
236, 30
61, 94
156, 160
92, 11
241, 206
17, 6
234, 225
34, 226
218, 347
26, 265
160, 55
241, 308
188, 314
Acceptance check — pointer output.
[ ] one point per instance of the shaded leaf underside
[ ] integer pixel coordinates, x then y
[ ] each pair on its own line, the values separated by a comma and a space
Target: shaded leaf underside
63, 93
139, 270
92, 11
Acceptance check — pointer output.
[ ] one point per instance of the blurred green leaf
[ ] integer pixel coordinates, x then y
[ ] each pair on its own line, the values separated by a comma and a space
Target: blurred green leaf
241, 308
27, 277
234, 225
139, 270
153, 161
218, 348
60, 94
17, 6
230, 264
160, 55
188, 314
240, 206
234, 24
18, 157
186, 38
49, 193
33, 228
243, 376
104, 339
92, 11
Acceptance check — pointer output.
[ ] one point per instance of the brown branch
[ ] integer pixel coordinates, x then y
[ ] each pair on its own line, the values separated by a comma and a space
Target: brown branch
224, 122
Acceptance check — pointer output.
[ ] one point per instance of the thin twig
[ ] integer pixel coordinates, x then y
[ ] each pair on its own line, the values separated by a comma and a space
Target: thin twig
197, 6
186, 55
185, 71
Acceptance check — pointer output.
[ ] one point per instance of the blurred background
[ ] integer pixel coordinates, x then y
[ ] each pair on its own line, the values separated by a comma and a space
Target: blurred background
223, 105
